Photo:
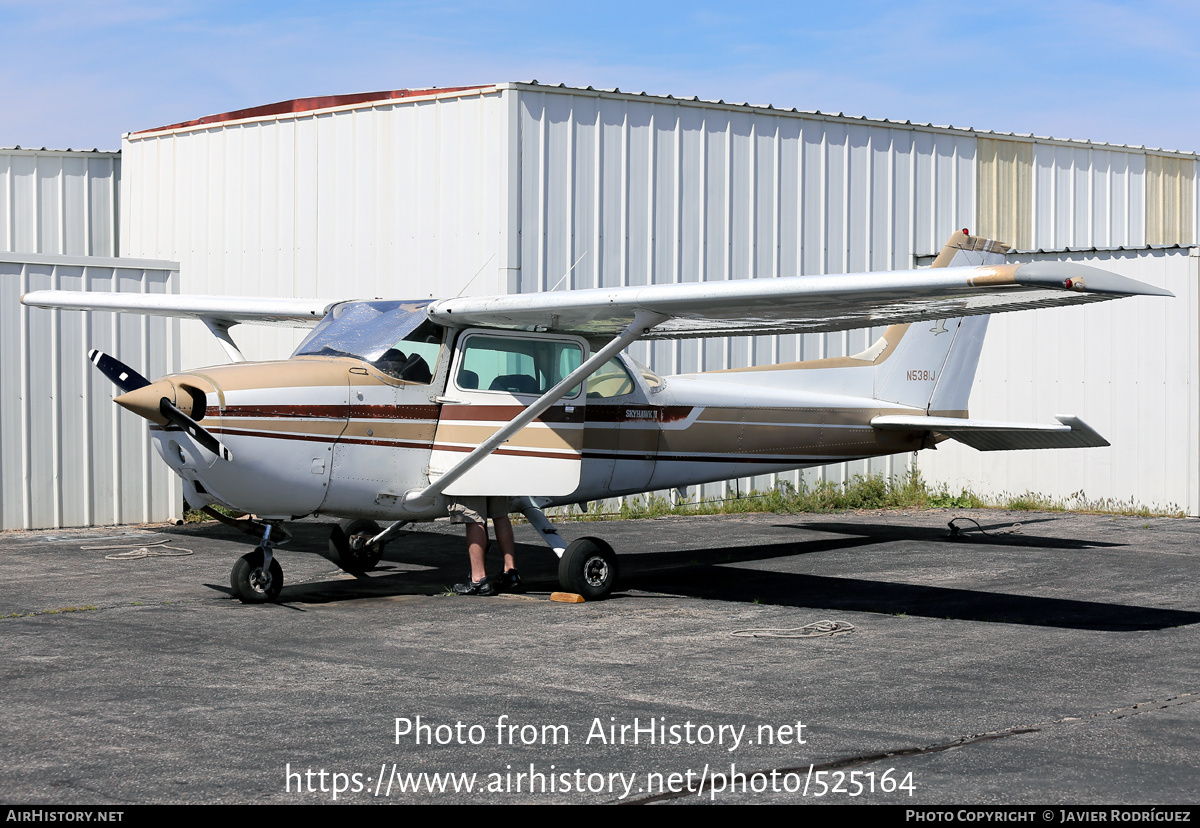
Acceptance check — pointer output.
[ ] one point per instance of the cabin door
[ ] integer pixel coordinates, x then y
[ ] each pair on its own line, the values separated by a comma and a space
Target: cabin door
495, 375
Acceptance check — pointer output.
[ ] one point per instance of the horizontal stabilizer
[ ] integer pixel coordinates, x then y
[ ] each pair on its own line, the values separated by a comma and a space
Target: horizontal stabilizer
985, 435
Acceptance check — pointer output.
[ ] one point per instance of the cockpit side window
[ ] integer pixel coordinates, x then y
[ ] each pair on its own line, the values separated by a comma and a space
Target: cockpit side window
415, 357
395, 337
517, 366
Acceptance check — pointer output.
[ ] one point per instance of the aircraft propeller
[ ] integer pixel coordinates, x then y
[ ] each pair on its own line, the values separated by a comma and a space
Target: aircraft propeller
121, 374
145, 404
198, 432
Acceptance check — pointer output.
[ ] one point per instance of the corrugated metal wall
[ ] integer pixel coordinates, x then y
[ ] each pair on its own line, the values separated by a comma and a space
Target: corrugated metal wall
1088, 197
650, 191
68, 456
1035, 194
1129, 368
405, 199
1170, 196
641, 190
62, 202
1004, 172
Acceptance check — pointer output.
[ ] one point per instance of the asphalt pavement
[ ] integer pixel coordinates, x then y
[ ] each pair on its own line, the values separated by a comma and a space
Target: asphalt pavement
1055, 662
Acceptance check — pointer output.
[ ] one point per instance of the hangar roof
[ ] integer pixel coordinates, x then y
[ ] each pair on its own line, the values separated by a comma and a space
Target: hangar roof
364, 99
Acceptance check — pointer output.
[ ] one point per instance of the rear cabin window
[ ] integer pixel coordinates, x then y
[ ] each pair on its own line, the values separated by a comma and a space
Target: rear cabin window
612, 380
517, 366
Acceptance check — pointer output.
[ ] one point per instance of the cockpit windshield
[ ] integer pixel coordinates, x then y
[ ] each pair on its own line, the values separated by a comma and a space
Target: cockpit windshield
393, 336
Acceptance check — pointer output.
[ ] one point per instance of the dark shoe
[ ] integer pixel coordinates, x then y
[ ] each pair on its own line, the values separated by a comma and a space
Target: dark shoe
509, 581
483, 587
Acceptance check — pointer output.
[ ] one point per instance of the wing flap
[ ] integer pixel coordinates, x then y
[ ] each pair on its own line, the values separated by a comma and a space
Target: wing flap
986, 435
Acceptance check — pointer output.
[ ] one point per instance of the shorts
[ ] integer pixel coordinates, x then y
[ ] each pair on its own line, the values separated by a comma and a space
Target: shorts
478, 509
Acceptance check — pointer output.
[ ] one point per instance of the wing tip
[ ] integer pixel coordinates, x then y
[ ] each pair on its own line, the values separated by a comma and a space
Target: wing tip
1083, 278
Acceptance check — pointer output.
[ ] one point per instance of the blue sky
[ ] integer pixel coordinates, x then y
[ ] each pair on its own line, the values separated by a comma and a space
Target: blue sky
79, 74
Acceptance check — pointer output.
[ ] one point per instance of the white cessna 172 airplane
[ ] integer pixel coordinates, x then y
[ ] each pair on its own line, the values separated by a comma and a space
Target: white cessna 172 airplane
387, 407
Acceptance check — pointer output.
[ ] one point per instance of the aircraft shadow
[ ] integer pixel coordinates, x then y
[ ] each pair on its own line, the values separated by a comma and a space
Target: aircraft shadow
864, 595
704, 574
967, 534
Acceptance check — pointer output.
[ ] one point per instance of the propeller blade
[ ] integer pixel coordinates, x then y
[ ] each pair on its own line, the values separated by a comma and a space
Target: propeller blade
121, 374
201, 435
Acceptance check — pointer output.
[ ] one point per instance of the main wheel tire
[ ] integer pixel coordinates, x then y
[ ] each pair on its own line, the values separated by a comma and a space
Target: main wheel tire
251, 583
588, 567
342, 549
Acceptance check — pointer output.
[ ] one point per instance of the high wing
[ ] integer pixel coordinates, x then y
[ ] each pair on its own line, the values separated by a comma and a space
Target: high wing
224, 311
796, 304
790, 304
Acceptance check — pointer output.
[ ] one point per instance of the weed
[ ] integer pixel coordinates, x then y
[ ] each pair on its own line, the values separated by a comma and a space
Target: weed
57, 611
197, 516
876, 491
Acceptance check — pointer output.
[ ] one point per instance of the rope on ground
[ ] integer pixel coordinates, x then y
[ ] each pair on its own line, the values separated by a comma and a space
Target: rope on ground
817, 629
132, 552
956, 531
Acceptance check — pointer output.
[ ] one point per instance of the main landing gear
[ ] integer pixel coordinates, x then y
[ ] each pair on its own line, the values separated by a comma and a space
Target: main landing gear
357, 545
350, 546
586, 566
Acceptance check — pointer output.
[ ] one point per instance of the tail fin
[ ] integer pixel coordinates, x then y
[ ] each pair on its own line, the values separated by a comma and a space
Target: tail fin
934, 364
923, 365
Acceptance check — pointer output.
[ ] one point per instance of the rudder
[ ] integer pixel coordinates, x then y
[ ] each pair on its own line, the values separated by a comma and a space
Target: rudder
934, 364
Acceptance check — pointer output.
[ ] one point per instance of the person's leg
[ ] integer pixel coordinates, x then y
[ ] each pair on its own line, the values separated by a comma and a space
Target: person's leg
504, 539
477, 540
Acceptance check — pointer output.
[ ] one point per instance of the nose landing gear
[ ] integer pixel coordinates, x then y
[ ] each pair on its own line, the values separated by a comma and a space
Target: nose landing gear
257, 577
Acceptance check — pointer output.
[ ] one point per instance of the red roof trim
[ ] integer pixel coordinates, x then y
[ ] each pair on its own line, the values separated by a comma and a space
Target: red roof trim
309, 104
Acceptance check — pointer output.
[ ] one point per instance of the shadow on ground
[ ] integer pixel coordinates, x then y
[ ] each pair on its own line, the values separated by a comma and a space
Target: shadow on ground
705, 573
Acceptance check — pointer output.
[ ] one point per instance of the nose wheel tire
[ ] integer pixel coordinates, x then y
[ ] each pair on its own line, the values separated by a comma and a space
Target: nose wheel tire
254, 584
588, 567
347, 545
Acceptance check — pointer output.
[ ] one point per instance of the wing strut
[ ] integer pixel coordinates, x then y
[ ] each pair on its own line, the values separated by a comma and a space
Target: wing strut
220, 329
643, 321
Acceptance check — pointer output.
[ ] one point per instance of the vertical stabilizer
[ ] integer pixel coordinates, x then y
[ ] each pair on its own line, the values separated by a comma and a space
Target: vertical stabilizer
934, 363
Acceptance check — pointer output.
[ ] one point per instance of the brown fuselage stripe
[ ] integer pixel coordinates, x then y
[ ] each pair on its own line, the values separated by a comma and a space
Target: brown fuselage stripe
586, 454
620, 413
572, 455
488, 413
504, 413
335, 412
731, 458
316, 438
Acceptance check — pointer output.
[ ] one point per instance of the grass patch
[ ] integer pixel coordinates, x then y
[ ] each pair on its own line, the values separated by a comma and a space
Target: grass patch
869, 492
85, 608
197, 516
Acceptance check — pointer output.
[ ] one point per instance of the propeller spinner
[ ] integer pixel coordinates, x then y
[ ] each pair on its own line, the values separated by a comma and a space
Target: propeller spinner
155, 401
